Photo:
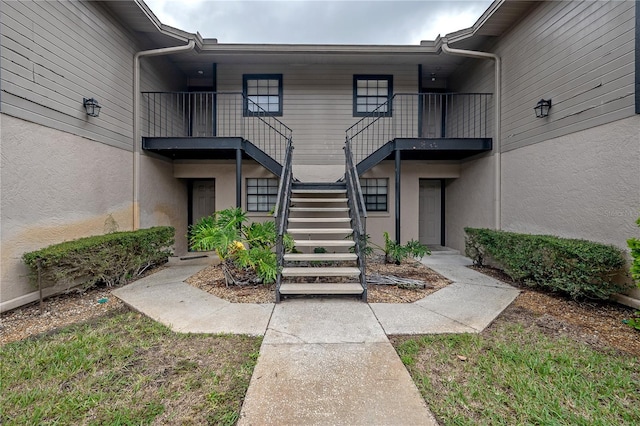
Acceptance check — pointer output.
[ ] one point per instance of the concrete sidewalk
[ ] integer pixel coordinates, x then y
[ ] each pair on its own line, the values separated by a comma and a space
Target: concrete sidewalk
327, 361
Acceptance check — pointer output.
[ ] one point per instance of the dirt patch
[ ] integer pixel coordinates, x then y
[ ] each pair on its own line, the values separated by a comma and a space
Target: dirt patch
211, 280
597, 323
58, 311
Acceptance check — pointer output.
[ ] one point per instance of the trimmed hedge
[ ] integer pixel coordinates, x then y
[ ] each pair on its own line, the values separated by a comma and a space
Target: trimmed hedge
109, 259
578, 267
634, 245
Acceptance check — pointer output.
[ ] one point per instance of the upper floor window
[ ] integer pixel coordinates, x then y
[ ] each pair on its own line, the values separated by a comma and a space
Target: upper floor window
263, 94
372, 93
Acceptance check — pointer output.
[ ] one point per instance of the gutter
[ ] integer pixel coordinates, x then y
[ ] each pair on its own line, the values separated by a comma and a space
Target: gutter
136, 119
497, 131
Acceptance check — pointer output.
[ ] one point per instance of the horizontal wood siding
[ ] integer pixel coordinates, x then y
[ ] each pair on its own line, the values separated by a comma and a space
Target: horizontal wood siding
318, 102
54, 53
579, 54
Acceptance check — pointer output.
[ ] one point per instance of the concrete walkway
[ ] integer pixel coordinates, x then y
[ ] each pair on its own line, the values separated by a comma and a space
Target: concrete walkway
327, 361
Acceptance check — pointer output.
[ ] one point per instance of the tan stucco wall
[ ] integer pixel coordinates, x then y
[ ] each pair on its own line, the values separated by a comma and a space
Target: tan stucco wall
470, 200
411, 173
163, 199
583, 185
55, 186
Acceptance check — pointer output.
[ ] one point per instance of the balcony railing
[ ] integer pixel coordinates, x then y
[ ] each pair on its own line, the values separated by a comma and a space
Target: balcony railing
213, 114
423, 115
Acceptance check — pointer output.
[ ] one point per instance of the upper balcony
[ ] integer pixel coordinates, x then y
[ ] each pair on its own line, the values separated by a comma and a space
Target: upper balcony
212, 125
427, 126
218, 125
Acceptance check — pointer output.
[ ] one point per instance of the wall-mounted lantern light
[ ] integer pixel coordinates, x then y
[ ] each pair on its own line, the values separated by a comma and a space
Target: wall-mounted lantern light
92, 107
543, 107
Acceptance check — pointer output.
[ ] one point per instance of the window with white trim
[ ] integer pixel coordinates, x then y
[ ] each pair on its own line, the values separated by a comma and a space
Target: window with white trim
263, 94
262, 194
374, 191
372, 94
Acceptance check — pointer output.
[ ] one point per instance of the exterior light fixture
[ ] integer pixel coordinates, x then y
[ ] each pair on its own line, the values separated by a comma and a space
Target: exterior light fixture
92, 107
433, 76
543, 107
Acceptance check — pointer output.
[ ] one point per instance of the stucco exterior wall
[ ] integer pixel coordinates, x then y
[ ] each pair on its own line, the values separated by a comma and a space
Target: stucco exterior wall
55, 186
163, 199
410, 174
470, 200
583, 185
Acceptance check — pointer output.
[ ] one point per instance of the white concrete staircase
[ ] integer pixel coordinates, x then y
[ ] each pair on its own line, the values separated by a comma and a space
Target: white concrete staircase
320, 225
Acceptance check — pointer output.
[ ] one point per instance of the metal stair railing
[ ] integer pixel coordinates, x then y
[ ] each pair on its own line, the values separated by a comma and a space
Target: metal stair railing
422, 115
213, 114
357, 212
281, 211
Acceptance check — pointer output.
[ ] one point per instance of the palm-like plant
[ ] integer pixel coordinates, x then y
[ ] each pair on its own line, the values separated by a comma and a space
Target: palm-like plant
246, 246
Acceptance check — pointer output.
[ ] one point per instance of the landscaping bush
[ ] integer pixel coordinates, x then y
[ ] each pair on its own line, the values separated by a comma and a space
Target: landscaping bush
579, 268
109, 259
392, 251
398, 253
248, 247
634, 245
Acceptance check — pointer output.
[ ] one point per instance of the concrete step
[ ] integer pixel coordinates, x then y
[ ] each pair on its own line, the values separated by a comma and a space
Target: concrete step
320, 272
343, 231
324, 243
441, 250
319, 209
320, 288
319, 219
322, 257
318, 191
318, 200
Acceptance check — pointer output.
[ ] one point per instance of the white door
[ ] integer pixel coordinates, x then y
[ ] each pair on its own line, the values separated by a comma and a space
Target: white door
430, 212
204, 199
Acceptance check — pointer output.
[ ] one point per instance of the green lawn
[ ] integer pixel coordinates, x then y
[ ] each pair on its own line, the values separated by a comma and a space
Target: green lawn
125, 369
514, 375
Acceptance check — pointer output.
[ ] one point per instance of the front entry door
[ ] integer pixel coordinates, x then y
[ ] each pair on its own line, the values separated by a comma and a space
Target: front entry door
430, 212
203, 199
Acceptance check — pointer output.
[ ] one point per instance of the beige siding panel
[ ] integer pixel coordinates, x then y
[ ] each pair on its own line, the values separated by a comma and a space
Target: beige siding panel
36, 113
579, 54
56, 53
318, 102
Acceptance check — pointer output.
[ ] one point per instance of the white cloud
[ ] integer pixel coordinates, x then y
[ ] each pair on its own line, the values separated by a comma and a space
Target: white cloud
309, 21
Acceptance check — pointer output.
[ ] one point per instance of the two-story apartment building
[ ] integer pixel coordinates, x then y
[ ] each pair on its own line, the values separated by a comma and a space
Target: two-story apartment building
444, 133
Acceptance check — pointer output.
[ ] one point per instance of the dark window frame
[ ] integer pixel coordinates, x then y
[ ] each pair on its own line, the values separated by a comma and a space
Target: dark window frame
245, 106
358, 77
254, 191
371, 194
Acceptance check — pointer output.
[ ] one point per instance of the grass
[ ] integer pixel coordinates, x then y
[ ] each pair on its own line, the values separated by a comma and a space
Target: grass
514, 375
125, 369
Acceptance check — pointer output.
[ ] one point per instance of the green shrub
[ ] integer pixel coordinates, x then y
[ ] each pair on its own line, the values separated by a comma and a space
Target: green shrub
246, 246
109, 259
397, 253
634, 245
579, 268
633, 322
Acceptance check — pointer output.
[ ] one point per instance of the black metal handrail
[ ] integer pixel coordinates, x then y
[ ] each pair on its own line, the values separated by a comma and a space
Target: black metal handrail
213, 114
422, 115
357, 212
281, 211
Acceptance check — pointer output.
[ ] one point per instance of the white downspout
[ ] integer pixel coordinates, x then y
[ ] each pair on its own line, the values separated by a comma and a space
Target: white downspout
498, 103
136, 119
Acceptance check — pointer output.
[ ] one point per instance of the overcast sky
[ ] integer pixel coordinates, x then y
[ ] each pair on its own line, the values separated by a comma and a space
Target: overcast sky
319, 22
